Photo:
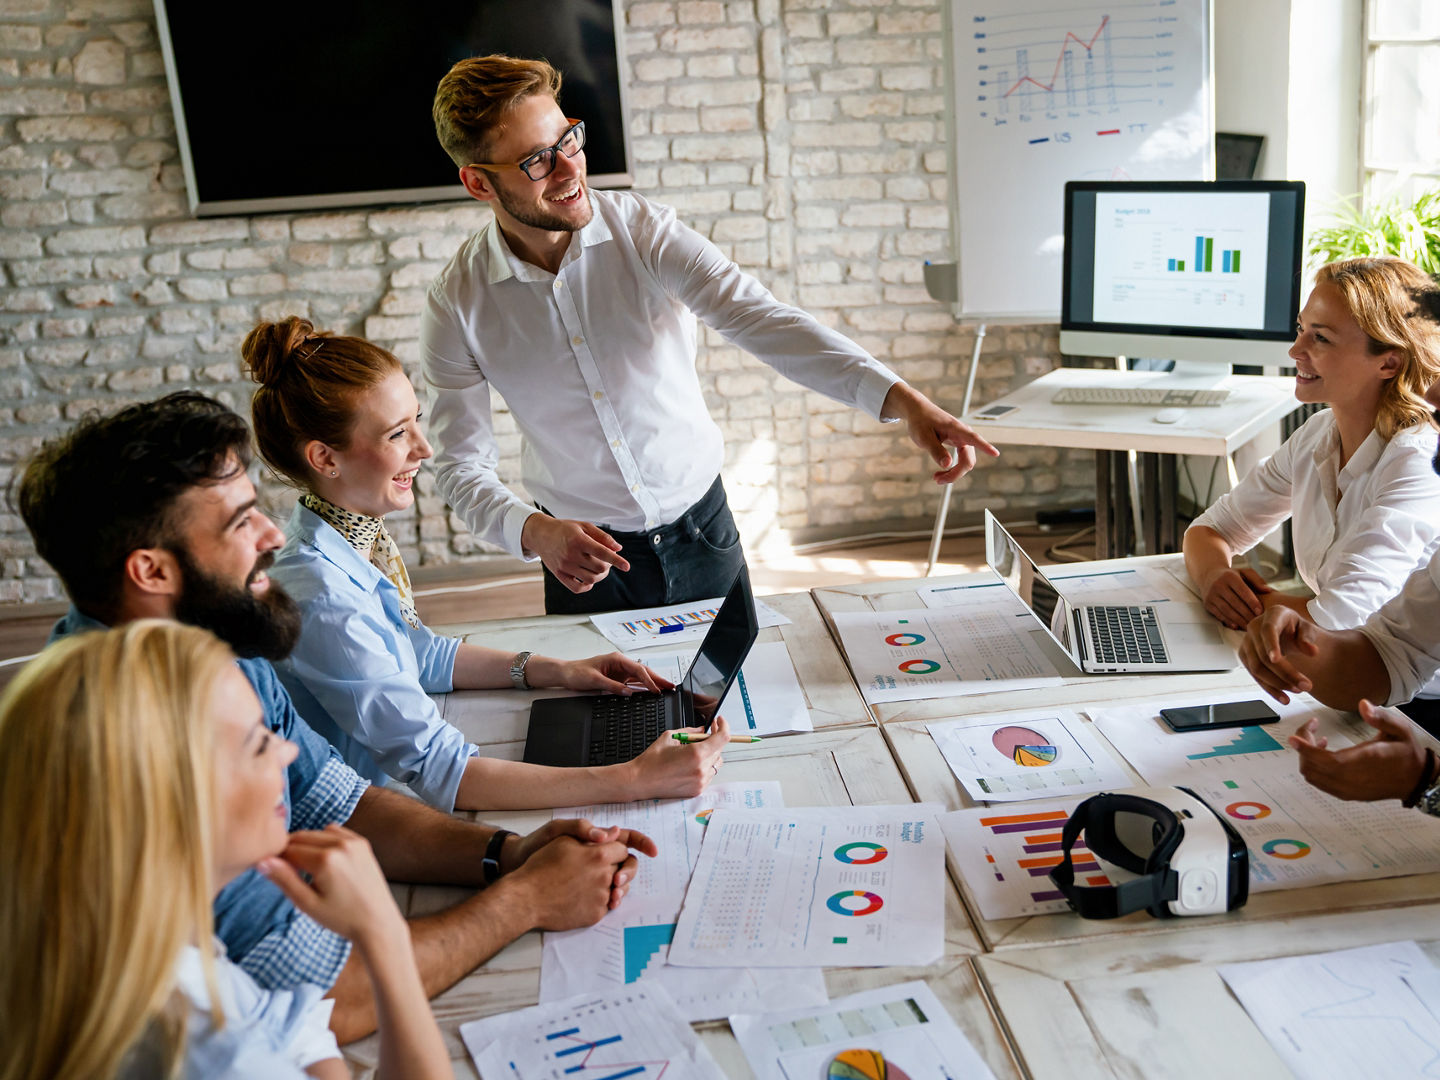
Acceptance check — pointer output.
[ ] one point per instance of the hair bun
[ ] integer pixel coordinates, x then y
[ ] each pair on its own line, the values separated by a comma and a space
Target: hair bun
271, 348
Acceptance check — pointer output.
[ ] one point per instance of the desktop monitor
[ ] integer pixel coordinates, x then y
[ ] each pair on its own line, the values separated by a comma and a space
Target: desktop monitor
1194, 272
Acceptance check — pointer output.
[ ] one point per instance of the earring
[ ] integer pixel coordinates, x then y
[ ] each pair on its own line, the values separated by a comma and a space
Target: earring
334, 472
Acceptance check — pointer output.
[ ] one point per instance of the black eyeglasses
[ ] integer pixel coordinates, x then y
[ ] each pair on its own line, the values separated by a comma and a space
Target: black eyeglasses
542, 163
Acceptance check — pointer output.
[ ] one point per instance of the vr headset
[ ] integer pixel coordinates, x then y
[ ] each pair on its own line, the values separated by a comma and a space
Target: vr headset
1189, 860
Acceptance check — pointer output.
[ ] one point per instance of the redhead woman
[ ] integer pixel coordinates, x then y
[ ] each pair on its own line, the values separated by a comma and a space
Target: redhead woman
1357, 479
338, 417
137, 777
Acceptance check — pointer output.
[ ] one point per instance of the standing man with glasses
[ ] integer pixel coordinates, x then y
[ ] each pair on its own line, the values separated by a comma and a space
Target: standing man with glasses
579, 308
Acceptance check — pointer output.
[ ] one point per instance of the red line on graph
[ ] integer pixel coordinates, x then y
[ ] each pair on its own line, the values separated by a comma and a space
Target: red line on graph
1086, 45
585, 1061
1112, 131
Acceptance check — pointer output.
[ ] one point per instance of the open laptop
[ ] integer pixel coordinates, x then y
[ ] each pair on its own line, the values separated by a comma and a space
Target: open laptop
605, 729
1164, 636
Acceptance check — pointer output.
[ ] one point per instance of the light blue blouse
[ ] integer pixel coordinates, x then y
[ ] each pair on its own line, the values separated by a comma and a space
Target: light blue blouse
361, 674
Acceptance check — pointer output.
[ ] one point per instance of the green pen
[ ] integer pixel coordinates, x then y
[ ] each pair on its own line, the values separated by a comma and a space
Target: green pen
682, 737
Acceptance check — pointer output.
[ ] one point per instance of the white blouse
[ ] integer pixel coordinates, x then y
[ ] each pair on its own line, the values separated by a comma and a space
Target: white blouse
1359, 531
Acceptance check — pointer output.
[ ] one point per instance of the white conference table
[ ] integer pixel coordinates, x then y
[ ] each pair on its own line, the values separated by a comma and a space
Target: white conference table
1029, 417
844, 762
930, 778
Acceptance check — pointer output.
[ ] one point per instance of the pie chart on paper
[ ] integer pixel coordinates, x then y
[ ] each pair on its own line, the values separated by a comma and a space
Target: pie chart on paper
863, 1065
1025, 746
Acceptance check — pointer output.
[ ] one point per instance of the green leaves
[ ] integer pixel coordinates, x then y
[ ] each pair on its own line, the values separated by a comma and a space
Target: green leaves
1411, 232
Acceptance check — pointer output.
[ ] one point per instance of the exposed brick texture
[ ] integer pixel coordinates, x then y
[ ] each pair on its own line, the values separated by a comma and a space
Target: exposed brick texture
805, 137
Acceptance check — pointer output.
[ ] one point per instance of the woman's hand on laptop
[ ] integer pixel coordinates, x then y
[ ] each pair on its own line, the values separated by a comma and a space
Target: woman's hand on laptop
669, 769
613, 673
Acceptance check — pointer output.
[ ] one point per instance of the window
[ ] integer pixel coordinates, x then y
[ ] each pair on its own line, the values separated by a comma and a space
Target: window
1400, 125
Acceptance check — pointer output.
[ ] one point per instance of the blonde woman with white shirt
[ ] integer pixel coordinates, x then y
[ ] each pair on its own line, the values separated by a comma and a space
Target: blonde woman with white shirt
1357, 480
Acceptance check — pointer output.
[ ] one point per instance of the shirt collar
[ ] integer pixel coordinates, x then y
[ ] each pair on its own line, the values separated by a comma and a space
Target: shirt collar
1365, 456
310, 528
501, 264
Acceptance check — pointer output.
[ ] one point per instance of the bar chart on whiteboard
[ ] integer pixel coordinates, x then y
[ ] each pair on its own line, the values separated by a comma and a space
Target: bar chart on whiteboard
1045, 92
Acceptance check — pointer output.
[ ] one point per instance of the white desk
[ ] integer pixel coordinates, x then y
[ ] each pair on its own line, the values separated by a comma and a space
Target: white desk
901, 595
1157, 1008
846, 762
830, 692
1256, 403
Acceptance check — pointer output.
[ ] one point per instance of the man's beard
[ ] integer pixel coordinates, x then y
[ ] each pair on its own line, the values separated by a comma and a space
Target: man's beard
540, 219
266, 626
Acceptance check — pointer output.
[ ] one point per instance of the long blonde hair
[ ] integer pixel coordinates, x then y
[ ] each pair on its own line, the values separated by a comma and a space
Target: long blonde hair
106, 801
1397, 305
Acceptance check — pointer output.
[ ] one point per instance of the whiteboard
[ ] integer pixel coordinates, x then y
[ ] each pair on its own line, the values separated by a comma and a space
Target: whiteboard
1045, 91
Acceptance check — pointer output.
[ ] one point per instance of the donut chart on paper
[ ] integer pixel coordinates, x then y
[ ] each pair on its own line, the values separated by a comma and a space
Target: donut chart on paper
1286, 849
863, 1065
1249, 811
919, 667
904, 639
1025, 746
837, 902
861, 852
703, 817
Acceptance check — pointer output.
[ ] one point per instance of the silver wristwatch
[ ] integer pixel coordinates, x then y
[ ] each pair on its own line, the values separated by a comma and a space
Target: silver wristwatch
517, 671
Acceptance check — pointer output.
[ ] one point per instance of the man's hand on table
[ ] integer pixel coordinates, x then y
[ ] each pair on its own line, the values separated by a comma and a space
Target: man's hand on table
578, 553
573, 872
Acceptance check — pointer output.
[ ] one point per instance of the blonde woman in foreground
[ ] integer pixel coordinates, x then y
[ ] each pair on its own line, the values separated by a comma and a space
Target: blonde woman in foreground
137, 777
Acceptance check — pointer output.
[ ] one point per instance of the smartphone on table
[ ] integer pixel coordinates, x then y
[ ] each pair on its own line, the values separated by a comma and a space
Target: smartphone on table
1226, 715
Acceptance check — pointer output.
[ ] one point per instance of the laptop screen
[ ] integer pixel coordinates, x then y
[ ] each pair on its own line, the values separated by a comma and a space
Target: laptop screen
1024, 579
722, 652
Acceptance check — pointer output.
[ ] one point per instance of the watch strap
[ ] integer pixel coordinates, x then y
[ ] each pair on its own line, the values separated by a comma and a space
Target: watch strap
517, 670
490, 864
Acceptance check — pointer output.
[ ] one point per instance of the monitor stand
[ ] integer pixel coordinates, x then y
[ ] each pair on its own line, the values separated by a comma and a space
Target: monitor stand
1184, 374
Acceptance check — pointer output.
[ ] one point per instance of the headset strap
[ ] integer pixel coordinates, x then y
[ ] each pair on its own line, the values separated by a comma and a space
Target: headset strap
1095, 817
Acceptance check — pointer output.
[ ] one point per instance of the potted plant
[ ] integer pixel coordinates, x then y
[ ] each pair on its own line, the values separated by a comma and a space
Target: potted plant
1389, 228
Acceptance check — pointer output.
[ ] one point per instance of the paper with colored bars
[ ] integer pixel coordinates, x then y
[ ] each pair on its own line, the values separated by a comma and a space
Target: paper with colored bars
677, 624
905, 1025
852, 886
765, 699
1144, 585
1162, 756
636, 1032
1357, 1014
1037, 754
928, 653
630, 945
1005, 857
1296, 836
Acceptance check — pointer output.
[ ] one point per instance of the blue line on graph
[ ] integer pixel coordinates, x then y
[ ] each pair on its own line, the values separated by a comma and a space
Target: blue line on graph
1034, 141
628, 1072
562, 1034
587, 1046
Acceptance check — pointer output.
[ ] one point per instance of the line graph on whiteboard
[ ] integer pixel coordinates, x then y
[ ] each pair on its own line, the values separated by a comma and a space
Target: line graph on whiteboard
1073, 73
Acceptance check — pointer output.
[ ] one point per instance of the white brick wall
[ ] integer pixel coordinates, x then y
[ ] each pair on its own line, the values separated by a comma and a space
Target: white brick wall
803, 136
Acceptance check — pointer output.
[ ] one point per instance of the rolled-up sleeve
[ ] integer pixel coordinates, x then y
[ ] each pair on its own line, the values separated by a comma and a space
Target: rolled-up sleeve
1406, 633
345, 661
461, 425
1258, 504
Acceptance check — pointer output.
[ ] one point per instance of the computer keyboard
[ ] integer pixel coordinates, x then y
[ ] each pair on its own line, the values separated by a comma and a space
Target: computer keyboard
1138, 395
1126, 635
622, 727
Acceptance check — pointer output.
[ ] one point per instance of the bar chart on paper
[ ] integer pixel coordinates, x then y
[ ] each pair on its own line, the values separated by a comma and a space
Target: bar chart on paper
636, 1033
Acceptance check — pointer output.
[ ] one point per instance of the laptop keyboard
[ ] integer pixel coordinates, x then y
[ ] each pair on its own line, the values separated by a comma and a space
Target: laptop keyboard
622, 727
1126, 635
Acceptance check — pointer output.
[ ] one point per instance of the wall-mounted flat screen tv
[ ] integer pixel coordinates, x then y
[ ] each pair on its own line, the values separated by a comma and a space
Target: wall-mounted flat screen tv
308, 104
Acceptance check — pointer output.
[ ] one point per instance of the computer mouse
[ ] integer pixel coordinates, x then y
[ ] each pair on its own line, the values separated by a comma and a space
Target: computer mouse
1169, 416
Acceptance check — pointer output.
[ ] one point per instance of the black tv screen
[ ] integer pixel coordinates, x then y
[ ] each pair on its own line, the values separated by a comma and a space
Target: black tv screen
305, 104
